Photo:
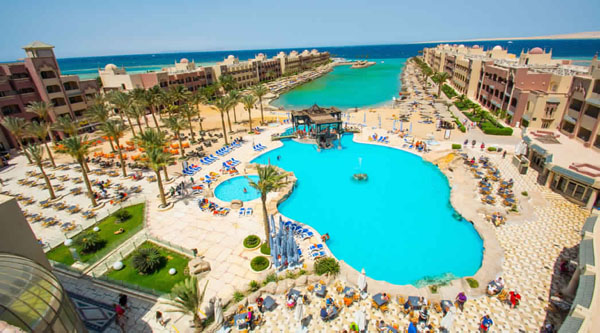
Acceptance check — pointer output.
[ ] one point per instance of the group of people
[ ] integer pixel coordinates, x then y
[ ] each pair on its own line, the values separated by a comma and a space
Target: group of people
329, 310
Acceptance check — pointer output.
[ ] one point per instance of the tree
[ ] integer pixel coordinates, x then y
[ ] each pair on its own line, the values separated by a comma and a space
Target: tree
122, 102
17, 126
115, 129
152, 98
199, 98
188, 112
269, 180
249, 101
427, 73
259, 91
150, 139
176, 125
42, 110
179, 94
40, 130
186, 299
440, 78
66, 125
78, 148
98, 113
37, 154
227, 82
137, 111
157, 159
139, 98
222, 104
234, 98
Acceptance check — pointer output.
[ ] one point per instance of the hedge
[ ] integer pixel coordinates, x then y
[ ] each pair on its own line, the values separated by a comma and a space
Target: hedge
491, 149
449, 91
456, 146
460, 125
498, 131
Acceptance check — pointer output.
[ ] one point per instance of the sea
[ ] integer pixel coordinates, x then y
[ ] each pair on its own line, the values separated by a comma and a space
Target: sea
344, 87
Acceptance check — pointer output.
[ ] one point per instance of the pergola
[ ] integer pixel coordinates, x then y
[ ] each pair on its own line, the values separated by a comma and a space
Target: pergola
320, 123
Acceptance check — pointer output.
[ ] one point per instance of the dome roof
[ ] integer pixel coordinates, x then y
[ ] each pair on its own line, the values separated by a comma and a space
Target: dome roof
230, 57
475, 46
497, 48
110, 67
184, 60
536, 50
461, 45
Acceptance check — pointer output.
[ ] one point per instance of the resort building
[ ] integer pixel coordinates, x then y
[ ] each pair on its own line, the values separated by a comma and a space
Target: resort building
33, 299
245, 73
581, 119
38, 78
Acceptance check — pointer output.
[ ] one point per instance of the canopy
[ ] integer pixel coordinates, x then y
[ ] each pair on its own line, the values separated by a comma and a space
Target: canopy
362, 280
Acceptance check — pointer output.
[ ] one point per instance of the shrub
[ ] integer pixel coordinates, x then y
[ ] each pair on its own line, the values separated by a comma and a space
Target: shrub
514, 208
524, 193
265, 249
238, 296
259, 263
146, 260
491, 149
254, 286
251, 241
434, 289
449, 91
327, 265
122, 215
472, 283
460, 125
271, 278
91, 242
456, 146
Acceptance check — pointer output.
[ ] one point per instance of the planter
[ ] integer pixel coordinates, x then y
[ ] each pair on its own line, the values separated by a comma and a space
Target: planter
254, 247
165, 208
265, 267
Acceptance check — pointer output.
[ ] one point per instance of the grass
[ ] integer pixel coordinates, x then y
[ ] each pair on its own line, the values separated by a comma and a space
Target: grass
107, 227
160, 280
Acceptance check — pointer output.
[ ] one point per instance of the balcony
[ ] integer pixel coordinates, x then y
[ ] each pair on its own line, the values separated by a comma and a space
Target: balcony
73, 92
573, 113
78, 106
588, 122
60, 110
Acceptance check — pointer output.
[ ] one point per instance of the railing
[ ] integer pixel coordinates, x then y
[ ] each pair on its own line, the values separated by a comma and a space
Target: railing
129, 285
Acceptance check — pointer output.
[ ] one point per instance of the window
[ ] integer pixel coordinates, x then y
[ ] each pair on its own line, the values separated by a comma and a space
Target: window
546, 123
19, 76
10, 109
47, 74
70, 85
53, 89
597, 87
576, 105
592, 111
584, 134
25, 90
75, 99
597, 141
513, 102
568, 127
58, 101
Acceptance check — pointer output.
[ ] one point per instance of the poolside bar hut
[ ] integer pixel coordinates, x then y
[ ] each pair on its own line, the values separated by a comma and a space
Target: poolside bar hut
322, 124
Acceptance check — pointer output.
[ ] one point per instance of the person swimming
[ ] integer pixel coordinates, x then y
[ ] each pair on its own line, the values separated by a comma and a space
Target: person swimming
245, 190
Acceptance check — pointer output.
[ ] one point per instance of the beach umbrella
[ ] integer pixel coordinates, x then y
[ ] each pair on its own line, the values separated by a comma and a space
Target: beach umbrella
394, 125
379, 119
274, 253
280, 223
272, 224
218, 312
299, 312
365, 117
400, 126
448, 320
360, 319
362, 280
410, 128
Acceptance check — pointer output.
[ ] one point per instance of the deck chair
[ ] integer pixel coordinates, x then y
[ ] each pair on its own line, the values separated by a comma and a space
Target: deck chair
503, 295
384, 308
437, 307
310, 288
401, 300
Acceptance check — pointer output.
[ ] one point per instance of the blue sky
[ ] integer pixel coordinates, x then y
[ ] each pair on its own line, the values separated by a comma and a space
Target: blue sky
88, 28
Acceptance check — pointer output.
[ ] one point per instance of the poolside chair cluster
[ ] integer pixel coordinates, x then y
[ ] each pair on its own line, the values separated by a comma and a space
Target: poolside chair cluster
315, 251
191, 170
208, 206
246, 211
227, 149
483, 169
382, 139
229, 166
208, 160
259, 147
211, 177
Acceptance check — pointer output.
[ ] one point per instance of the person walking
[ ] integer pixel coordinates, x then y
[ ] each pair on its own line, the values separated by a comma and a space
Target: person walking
123, 301
485, 323
159, 318
120, 318
504, 154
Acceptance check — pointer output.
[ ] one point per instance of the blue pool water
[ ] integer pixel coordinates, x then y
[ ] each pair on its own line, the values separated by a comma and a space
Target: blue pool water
399, 225
233, 189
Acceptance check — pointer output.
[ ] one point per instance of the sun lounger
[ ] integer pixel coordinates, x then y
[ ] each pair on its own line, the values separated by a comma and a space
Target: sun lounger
316, 247
242, 211
307, 235
317, 255
249, 211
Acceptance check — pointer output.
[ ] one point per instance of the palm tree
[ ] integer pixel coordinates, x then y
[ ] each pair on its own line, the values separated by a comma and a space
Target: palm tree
37, 154
98, 113
186, 299
66, 125
234, 97
122, 102
440, 78
157, 159
222, 104
248, 101
78, 148
40, 130
176, 125
17, 126
136, 111
427, 73
259, 91
188, 112
115, 129
198, 98
269, 180
150, 139
227, 82
42, 110
152, 98
139, 98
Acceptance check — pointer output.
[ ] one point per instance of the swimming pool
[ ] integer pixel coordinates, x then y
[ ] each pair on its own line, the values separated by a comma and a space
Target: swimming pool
233, 189
399, 225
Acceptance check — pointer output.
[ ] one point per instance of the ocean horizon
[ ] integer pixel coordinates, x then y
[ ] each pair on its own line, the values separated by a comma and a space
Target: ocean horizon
87, 67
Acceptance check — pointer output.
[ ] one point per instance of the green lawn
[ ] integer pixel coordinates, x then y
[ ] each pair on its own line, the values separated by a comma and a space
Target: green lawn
159, 280
107, 228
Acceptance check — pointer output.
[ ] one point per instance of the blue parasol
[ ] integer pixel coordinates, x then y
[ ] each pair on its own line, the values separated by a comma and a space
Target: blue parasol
365, 117
410, 128
400, 126
379, 118
394, 125
274, 252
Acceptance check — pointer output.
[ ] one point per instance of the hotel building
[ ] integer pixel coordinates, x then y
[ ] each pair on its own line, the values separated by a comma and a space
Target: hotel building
38, 78
245, 73
581, 119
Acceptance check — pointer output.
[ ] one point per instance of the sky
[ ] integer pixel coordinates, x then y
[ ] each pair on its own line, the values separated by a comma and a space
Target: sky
110, 27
